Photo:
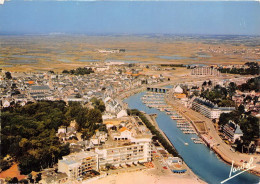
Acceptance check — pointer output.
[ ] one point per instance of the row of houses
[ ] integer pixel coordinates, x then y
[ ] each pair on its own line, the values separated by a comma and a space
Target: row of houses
25, 87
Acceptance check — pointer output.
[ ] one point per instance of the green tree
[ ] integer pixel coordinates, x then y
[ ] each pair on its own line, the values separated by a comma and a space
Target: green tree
93, 116
13, 180
8, 75
241, 109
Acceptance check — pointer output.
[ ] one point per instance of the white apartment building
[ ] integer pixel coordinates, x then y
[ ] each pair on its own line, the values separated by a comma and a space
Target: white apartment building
205, 71
209, 109
77, 164
128, 153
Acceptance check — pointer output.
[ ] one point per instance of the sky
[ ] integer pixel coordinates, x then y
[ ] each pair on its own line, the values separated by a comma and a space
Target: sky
130, 17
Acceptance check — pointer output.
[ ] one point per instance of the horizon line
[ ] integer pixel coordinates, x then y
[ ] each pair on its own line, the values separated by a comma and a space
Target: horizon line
123, 34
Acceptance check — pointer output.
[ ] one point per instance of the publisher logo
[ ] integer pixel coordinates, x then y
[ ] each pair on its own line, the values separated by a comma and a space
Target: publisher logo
235, 171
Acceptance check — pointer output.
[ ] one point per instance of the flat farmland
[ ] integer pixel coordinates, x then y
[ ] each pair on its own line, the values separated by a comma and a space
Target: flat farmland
59, 52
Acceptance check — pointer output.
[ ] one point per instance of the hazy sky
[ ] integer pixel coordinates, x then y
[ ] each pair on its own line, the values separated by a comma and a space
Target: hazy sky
77, 17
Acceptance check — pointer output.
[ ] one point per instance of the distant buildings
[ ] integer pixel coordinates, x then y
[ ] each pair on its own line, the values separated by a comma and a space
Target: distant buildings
205, 71
110, 79
111, 51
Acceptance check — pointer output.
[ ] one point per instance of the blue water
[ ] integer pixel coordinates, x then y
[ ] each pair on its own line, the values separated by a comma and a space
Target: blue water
117, 60
175, 57
203, 162
64, 60
21, 61
88, 60
204, 56
27, 56
6, 65
130, 56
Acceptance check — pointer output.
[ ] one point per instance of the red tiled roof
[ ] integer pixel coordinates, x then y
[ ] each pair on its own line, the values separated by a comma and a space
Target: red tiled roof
12, 172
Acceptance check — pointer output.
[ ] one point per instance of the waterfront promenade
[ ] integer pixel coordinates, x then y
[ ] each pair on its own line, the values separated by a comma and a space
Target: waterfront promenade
213, 140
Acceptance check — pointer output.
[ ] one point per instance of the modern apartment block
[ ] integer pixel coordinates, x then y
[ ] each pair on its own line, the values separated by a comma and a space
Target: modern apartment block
209, 109
129, 142
205, 71
77, 164
127, 153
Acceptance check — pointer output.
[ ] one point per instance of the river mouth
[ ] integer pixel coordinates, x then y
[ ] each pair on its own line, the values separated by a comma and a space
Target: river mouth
200, 159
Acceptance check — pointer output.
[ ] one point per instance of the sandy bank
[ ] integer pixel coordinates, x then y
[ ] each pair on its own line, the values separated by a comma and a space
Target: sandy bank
142, 177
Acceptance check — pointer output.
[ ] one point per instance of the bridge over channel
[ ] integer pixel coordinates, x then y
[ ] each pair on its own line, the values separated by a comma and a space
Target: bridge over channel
157, 89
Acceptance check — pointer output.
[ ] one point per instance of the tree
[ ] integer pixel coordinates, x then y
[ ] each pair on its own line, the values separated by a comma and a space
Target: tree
196, 93
232, 88
81, 118
23, 181
78, 95
38, 178
65, 71
98, 104
8, 75
241, 109
93, 116
226, 103
13, 180
29, 134
224, 118
108, 166
4, 165
248, 99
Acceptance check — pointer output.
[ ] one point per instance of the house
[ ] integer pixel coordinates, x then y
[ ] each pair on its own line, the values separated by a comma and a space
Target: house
38, 89
112, 105
232, 131
122, 113
178, 89
122, 134
6, 103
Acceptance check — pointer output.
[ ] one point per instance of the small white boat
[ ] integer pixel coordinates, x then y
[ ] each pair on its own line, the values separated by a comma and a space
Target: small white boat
186, 144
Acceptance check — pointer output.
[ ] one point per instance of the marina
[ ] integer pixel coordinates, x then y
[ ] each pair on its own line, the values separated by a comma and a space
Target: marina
200, 159
156, 100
